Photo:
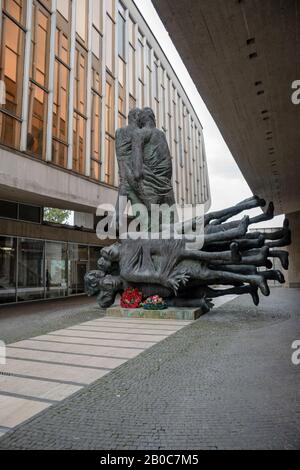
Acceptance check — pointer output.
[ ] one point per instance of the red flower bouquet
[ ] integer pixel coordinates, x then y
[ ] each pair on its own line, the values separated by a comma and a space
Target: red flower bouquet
131, 298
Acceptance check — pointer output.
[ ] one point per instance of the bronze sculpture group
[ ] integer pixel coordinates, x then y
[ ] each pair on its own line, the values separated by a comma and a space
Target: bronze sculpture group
236, 260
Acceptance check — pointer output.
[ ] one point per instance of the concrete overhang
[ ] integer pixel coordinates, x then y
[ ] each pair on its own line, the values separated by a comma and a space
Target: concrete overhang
33, 181
243, 56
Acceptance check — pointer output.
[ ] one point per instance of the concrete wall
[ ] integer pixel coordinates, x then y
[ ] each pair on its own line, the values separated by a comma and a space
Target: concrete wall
48, 232
30, 180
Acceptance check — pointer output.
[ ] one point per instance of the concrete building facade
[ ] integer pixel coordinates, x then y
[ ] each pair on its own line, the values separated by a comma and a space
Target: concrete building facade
70, 71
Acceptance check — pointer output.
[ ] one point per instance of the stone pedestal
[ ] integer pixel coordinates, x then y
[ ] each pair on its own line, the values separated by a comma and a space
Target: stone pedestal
171, 313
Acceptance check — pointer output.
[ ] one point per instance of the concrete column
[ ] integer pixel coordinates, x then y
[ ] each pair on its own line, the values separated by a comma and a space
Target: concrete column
293, 276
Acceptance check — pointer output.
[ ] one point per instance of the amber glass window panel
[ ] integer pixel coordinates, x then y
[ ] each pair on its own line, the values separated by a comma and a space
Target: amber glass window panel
10, 131
37, 110
109, 108
110, 44
16, 8
122, 72
60, 101
59, 153
81, 18
95, 170
63, 6
121, 101
11, 69
96, 78
132, 102
80, 81
79, 130
109, 160
121, 120
40, 45
62, 45
96, 126
97, 13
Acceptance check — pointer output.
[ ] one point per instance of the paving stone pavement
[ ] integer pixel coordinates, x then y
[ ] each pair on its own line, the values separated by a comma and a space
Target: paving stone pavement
225, 381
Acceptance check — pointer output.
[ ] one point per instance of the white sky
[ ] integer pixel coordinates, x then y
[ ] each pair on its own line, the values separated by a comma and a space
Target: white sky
227, 183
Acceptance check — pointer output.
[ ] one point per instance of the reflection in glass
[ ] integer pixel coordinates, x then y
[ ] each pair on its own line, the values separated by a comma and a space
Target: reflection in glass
11, 66
56, 269
96, 130
30, 269
78, 266
94, 256
63, 8
8, 249
81, 18
60, 101
36, 120
79, 127
16, 8
40, 45
110, 44
109, 160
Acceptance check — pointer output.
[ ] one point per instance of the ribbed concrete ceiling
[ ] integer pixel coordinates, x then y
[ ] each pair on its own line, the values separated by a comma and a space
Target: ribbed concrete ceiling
243, 56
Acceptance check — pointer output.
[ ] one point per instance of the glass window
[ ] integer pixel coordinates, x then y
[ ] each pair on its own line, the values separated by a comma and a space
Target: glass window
109, 108
94, 252
16, 8
8, 209
56, 275
95, 136
63, 7
8, 251
81, 18
96, 43
40, 45
36, 120
109, 160
30, 213
30, 269
131, 26
140, 57
60, 101
121, 35
97, 13
110, 8
62, 46
80, 81
79, 129
11, 65
78, 266
131, 71
110, 44
10, 131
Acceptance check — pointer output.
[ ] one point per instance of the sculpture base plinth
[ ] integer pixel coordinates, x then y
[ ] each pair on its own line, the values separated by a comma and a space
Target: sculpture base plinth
170, 313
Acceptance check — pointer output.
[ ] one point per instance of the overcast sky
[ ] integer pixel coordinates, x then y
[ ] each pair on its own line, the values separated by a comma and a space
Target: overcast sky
227, 183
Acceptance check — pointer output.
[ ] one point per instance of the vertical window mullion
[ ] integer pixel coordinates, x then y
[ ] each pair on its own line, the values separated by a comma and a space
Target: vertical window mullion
88, 93
51, 82
71, 84
25, 96
103, 78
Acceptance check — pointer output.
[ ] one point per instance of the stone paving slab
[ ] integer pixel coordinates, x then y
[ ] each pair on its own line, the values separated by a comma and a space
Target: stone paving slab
45, 369
225, 381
